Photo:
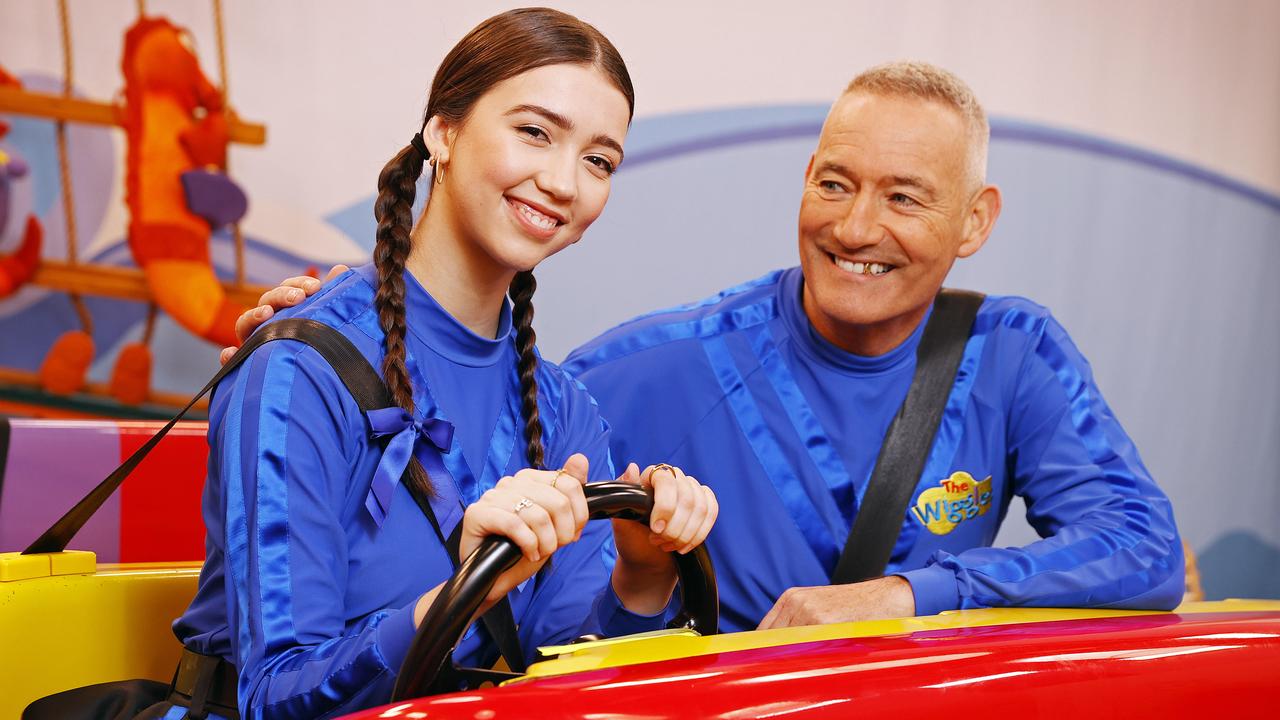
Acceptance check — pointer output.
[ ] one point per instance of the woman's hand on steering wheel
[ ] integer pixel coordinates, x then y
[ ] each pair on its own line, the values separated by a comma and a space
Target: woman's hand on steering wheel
451, 606
540, 511
683, 513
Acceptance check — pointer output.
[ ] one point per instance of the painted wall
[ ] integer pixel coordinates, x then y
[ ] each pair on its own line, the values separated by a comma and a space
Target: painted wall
1135, 142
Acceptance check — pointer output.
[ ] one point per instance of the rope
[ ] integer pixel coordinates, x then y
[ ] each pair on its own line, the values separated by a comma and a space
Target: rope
149, 329
64, 165
67, 66
68, 204
222, 47
236, 235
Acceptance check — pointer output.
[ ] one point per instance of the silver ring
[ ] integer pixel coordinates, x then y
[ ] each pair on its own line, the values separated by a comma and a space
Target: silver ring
521, 505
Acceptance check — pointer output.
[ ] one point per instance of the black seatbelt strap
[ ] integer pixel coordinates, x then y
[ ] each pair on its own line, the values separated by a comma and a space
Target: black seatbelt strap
498, 621
200, 693
369, 392
909, 439
206, 683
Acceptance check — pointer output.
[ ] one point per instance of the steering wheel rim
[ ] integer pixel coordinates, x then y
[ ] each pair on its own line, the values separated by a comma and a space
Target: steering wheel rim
448, 617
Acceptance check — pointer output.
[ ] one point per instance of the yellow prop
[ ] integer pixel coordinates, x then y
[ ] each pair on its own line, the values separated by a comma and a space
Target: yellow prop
64, 625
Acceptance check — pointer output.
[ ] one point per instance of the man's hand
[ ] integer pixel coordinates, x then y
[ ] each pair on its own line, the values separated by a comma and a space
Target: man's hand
886, 597
290, 292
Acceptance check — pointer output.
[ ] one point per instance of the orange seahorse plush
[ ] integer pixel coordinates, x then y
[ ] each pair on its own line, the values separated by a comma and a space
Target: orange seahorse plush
176, 128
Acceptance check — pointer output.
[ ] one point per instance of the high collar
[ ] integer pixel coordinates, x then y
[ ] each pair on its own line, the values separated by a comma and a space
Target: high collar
811, 342
434, 327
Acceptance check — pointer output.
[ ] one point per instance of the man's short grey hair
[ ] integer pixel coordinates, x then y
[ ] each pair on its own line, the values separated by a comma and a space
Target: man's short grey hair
914, 79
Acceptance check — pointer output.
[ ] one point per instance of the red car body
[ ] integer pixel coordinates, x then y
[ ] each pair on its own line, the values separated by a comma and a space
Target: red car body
1204, 660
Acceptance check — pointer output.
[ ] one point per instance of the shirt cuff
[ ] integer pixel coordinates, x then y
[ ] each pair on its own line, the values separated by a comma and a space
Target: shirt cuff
934, 588
615, 619
395, 634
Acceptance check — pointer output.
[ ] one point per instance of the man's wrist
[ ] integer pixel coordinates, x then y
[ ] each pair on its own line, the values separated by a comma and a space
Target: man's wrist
901, 598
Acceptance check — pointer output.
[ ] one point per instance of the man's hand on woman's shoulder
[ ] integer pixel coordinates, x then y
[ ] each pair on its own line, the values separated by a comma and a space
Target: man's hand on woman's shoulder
290, 292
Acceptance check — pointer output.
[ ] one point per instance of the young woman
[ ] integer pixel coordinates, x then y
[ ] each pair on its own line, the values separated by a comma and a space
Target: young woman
320, 563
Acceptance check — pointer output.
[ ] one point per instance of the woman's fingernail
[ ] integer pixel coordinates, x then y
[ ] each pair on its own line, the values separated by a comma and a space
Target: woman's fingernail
294, 295
260, 313
659, 526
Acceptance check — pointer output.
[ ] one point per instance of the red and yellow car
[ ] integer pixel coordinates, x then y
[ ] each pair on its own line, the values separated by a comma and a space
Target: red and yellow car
67, 621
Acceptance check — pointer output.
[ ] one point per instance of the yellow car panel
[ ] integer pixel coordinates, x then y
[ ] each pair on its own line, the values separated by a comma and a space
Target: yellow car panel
681, 644
59, 631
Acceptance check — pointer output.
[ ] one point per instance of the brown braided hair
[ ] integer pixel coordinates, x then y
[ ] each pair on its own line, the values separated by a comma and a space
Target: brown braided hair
497, 49
522, 287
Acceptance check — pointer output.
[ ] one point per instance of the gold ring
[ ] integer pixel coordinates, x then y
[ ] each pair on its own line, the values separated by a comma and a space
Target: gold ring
664, 466
559, 473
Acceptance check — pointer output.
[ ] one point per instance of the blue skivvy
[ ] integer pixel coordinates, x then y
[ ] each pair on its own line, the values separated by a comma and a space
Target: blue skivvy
311, 575
786, 428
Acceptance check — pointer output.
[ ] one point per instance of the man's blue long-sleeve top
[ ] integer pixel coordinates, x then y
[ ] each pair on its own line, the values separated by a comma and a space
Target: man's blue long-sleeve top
304, 589
786, 428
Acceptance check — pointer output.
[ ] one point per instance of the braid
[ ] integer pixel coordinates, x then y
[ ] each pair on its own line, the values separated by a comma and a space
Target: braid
521, 291
394, 212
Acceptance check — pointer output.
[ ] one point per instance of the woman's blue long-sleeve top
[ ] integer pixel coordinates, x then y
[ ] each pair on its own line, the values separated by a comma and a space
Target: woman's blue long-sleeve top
309, 593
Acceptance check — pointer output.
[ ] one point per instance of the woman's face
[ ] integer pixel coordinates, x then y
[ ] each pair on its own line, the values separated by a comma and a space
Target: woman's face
529, 169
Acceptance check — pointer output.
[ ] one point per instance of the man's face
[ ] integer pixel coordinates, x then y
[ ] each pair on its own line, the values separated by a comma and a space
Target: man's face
888, 206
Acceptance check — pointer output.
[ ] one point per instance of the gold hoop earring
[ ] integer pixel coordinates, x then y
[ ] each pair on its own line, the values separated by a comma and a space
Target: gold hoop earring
439, 171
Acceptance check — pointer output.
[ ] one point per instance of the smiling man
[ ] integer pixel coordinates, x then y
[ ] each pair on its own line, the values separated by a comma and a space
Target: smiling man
778, 393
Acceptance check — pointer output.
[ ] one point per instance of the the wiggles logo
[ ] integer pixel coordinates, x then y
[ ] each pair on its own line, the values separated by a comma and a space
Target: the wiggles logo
956, 499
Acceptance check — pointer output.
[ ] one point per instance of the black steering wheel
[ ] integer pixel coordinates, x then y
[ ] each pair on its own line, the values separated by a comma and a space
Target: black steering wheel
430, 657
